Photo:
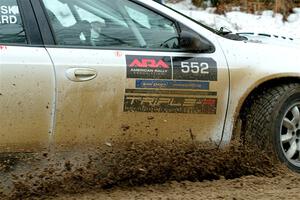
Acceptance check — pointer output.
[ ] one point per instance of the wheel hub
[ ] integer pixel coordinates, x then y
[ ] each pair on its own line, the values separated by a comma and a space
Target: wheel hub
290, 134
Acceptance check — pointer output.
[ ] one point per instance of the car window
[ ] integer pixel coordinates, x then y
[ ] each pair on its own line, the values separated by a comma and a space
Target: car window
11, 26
103, 23
61, 12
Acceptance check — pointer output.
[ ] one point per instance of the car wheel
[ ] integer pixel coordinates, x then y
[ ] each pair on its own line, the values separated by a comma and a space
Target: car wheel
272, 123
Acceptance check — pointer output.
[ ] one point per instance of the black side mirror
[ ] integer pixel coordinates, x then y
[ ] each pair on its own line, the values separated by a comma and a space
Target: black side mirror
194, 43
160, 1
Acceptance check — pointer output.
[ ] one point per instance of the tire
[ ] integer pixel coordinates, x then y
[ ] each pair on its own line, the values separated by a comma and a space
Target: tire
272, 123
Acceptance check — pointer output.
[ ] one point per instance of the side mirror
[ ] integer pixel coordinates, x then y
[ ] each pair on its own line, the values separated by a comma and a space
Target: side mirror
194, 43
160, 1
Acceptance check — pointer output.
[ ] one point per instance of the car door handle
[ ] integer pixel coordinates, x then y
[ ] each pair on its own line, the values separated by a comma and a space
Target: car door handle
81, 74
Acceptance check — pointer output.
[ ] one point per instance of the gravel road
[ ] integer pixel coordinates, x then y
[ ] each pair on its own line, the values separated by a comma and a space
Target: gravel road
151, 170
285, 186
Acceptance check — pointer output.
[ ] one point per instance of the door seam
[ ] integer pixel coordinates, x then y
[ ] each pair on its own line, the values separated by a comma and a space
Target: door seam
52, 128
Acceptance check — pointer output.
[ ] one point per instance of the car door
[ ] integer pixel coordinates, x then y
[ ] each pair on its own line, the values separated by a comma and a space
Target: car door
122, 74
26, 81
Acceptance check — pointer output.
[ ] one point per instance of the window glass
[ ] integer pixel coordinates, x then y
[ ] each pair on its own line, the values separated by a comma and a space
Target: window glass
60, 12
102, 23
11, 26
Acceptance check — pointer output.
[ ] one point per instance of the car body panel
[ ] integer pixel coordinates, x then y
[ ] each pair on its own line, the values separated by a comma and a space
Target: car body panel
253, 65
93, 111
27, 95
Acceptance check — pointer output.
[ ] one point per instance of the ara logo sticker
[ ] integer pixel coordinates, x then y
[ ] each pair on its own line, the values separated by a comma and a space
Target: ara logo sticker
149, 67
151, 63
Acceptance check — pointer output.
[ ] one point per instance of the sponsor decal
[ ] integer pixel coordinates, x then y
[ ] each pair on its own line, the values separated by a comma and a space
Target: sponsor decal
149, 67
158, 104
8, 14
171, 85
162, 84
170, 101
171, 92
175, 68
195, 68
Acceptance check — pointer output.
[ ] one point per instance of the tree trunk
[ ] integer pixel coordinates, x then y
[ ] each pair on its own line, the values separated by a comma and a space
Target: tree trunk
284, 7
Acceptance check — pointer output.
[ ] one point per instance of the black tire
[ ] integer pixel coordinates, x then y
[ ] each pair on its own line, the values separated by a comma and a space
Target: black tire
263, 122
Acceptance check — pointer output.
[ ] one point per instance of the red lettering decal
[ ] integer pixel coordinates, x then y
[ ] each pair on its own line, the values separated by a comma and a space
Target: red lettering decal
136, 63
162, 64
210, 102
151, 63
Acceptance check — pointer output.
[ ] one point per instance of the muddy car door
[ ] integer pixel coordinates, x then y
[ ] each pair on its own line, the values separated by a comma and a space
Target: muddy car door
123, 72
26, 80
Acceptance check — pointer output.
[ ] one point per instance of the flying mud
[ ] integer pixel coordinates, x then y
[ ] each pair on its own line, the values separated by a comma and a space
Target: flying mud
45, 175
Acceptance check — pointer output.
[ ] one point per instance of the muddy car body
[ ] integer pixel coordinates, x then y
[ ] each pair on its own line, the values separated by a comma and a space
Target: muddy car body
83, 72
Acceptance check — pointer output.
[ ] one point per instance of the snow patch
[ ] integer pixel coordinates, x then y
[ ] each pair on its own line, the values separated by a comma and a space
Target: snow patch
267, 22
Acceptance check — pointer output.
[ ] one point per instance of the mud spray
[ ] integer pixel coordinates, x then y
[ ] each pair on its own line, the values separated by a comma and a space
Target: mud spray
132, 164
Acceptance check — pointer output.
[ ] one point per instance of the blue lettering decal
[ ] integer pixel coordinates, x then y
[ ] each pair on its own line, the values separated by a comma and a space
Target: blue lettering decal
172, 84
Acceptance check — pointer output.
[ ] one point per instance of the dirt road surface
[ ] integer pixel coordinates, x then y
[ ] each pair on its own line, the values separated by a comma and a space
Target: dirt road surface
151, 170
282, 187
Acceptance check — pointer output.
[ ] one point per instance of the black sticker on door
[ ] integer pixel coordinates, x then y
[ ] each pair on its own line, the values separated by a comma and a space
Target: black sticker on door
168, 104
195, 68
149, 67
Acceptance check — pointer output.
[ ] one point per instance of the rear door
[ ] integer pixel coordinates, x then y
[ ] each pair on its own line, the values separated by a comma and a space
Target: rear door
122, 74
26, 80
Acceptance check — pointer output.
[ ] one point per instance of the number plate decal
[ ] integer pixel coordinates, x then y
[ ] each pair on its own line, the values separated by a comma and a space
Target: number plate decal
191, 68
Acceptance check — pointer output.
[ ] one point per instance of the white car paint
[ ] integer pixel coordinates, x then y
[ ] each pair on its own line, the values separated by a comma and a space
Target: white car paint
73, 112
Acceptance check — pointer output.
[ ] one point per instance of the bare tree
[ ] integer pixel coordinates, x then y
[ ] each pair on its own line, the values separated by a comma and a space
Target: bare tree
285, 7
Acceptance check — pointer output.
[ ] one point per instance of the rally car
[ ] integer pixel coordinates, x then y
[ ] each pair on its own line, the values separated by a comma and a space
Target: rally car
78, 72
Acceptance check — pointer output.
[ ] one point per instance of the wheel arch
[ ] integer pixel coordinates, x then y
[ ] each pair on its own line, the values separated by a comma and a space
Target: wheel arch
253, 90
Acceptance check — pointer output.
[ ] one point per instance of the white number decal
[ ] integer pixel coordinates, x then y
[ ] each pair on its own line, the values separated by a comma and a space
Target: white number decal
205, 68
194, 68
185, 68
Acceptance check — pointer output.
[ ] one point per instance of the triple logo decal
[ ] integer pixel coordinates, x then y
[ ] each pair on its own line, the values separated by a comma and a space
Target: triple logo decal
149, 67
167, 104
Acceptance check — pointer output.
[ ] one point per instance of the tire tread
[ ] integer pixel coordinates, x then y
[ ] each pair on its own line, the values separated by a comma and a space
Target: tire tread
258, 120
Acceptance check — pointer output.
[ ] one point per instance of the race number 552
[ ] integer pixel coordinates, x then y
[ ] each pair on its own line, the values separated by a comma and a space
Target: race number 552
194, 68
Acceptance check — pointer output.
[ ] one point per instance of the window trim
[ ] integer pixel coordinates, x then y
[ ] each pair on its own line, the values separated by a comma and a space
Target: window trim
31, 27
45, 22
120, 49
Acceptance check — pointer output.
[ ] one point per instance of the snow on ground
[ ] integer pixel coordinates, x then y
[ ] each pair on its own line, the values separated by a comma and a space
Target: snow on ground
266, 22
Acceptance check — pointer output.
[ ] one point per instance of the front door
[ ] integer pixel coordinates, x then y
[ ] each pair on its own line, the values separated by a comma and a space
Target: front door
122, 75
